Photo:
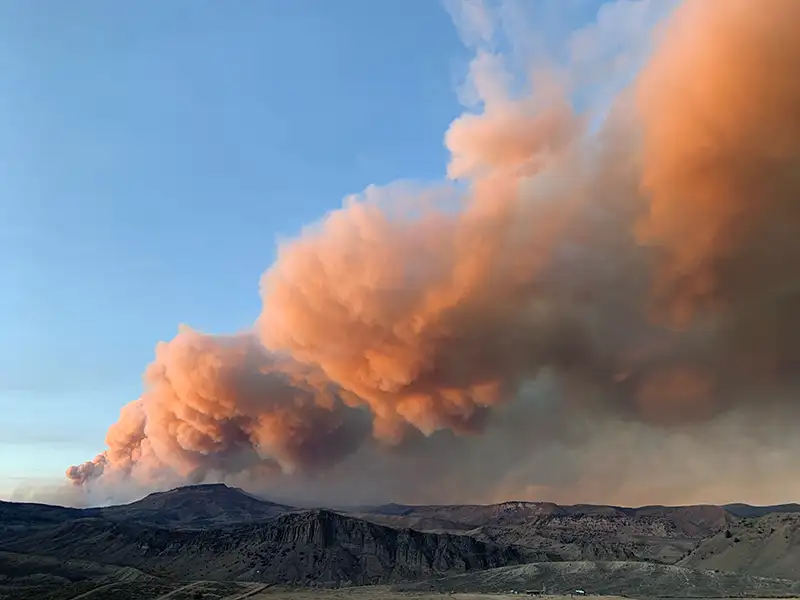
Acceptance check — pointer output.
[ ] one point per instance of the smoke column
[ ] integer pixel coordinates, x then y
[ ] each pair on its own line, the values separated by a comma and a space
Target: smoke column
590, 291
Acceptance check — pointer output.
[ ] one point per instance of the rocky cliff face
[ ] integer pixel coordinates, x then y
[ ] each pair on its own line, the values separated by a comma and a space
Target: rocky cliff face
567, 533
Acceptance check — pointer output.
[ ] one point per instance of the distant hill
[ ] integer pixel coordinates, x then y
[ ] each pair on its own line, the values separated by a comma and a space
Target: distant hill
24, 514
580, 532
690, 520
745, 510
196, 506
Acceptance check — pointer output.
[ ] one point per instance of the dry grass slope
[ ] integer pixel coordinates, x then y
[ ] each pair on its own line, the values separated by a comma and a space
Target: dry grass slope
612, 578
768, 546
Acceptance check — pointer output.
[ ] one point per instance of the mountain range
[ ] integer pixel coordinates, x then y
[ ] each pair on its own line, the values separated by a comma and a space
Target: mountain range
219, 533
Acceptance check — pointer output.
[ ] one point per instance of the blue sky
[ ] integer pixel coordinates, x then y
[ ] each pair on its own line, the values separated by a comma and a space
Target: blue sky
151, 152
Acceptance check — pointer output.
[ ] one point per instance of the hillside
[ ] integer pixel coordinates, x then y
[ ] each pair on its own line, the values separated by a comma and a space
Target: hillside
18, 568
768, 546
35, 576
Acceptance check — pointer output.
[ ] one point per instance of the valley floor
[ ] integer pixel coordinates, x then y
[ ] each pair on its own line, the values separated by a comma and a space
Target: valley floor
207, 590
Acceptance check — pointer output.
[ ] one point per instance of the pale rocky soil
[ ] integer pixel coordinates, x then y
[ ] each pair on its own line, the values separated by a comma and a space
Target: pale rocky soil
388, 594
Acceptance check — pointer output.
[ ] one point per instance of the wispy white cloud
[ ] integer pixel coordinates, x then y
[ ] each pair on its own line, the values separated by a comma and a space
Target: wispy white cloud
475, 21
591, 62
605, 54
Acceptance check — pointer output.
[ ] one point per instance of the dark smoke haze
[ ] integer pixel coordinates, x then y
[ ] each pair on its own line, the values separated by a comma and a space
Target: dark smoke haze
610, 314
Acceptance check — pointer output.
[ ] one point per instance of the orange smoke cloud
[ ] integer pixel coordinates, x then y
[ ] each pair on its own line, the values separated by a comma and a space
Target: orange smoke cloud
88, 470
223, 404
721, 146
719, 105
407, 312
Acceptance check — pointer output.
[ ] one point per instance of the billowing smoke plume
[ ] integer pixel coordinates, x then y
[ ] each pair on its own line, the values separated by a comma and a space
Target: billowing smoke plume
88, 470
223, 404
588, 287
720, 158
